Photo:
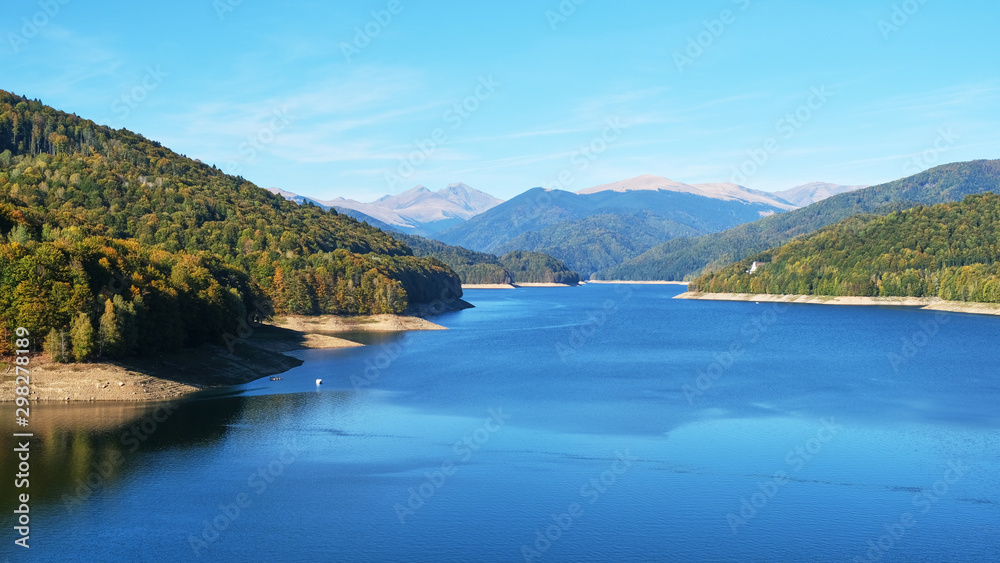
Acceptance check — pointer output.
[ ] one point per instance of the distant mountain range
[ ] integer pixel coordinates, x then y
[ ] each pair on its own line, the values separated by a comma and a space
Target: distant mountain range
808, 194
689, 257
723, 191
415, 211
593, 230
603, 226
425, 209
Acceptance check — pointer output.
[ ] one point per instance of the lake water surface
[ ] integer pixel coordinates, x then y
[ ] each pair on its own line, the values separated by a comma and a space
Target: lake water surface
600, 423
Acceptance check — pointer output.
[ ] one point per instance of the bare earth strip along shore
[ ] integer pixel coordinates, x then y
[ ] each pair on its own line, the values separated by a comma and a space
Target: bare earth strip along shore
929, 303
167, 376
517, 285
512, 286
628, 282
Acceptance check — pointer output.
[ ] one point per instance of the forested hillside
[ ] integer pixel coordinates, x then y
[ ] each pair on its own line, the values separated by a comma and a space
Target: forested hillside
951, 251
593, 231
600, 241
168, 226
482, 268
681, 259
472, 267
537, 267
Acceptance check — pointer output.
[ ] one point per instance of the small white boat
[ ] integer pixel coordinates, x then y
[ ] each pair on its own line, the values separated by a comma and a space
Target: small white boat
319, 382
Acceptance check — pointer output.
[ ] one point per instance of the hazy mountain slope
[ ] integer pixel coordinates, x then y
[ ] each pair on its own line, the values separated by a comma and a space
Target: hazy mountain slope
686, 258
723, 191
367, 219
423, 211
303, 200
417, 210
601, 241
456, 201
809, 194
538, 208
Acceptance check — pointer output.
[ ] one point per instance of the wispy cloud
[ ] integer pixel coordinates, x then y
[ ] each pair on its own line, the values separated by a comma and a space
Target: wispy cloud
336, 120
82, 60
601, 104
951, 98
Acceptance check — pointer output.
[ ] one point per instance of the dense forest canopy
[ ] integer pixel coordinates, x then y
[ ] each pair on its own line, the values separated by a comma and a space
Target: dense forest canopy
600, 241
482, 268
951, 251
593, 232
74, 194
538, 268
471, 266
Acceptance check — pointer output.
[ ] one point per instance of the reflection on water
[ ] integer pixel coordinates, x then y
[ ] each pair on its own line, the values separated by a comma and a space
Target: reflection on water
368, 338
80, 447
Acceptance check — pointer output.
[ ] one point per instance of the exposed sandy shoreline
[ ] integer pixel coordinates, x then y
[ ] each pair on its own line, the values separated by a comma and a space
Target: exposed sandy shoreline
628, 282
512, 286
372, 323
973, 308
930, 303
517, 285
168, 376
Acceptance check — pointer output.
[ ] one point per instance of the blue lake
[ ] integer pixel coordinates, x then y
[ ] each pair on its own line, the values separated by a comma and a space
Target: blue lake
600, 423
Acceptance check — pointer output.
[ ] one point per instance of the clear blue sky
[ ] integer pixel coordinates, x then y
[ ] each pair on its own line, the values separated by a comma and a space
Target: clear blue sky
205, 76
